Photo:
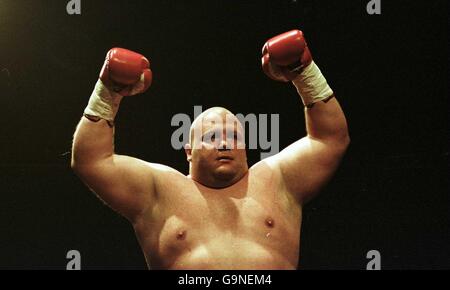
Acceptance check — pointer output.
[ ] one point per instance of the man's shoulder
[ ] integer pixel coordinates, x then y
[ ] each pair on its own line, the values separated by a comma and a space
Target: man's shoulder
266, 168
164, 171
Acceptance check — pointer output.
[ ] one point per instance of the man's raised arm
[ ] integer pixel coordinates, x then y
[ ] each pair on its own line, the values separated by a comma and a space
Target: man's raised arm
124, 183
307, 164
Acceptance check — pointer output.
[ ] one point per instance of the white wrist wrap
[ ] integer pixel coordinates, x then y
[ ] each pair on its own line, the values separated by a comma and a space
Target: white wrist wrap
103, 102
312, 85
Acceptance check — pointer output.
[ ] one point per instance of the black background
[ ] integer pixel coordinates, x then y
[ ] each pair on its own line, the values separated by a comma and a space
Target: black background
389, 72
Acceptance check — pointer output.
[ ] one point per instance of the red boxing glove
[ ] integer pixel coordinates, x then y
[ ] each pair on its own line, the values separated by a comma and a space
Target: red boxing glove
126, 72
285, 56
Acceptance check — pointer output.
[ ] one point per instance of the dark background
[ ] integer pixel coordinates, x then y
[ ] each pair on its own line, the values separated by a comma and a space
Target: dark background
389, 72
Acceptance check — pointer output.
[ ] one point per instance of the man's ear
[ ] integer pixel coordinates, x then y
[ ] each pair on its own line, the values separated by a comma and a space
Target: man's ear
188, 150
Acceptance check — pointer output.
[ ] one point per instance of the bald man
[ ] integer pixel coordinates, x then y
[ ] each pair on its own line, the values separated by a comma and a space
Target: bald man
223, 215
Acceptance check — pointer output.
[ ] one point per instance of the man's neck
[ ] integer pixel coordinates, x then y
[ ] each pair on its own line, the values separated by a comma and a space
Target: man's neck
217, 183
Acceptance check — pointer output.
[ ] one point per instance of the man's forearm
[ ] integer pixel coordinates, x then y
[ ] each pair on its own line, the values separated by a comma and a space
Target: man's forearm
93, 141
326, 121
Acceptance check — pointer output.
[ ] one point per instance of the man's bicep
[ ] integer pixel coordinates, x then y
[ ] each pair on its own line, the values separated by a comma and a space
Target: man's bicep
125, 183
306, 166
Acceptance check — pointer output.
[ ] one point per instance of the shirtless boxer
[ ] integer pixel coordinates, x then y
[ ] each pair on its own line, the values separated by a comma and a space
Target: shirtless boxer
223, 215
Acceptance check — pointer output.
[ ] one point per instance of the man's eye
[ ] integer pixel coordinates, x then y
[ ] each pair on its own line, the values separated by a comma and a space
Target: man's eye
209, 137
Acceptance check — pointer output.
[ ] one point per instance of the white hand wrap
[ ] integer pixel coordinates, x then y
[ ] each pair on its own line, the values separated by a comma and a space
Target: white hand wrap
103, 103
312, 85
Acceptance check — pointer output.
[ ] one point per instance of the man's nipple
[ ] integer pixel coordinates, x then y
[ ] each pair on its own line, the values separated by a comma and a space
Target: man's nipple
181, 235
270, 222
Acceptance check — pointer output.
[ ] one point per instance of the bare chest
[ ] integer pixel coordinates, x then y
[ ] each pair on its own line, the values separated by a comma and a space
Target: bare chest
255, 217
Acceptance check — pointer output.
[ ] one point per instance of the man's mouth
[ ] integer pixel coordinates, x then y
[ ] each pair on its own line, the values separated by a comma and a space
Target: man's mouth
224, 158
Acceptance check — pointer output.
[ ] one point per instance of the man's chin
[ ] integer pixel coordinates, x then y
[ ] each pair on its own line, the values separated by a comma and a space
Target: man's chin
225, 174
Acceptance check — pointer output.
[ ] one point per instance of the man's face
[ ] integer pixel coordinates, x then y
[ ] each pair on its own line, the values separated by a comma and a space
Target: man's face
218, 153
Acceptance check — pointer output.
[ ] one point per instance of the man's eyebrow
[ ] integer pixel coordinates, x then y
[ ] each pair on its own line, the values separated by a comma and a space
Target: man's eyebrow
209, 131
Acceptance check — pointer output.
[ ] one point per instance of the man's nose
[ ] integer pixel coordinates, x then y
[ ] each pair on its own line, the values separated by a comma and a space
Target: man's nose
223, 146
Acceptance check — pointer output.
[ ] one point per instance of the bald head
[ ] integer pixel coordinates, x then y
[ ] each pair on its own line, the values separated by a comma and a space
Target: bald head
211, 119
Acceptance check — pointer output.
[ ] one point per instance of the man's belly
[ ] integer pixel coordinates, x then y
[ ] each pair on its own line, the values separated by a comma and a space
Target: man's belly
252, 244
240, 254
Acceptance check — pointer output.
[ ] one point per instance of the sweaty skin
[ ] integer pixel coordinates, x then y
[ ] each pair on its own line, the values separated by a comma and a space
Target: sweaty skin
222, 215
